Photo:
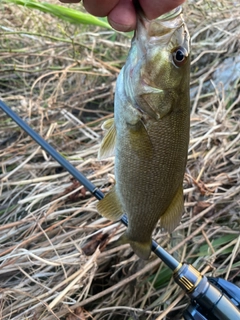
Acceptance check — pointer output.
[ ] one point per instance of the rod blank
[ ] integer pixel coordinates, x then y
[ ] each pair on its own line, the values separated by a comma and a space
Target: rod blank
159, 251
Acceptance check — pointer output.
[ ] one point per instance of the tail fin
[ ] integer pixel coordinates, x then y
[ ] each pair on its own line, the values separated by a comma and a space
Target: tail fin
142, 249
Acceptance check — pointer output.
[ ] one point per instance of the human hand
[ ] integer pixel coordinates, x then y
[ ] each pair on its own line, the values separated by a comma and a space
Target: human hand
121, 13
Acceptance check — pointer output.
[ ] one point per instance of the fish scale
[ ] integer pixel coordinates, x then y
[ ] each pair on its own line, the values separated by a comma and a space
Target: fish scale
159, 184
150, 131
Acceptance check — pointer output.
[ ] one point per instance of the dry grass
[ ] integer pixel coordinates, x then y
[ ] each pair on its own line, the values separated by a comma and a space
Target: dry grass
60, 79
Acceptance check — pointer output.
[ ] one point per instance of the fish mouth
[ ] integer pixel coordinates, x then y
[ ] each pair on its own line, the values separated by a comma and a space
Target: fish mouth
171, 14
158, 30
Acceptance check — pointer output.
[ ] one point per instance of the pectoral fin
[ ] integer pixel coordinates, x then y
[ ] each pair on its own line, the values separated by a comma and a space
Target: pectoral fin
172, 216
139, 140
110, 206
108, 143
156, 108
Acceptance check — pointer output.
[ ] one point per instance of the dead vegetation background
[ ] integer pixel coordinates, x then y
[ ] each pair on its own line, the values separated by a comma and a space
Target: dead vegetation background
60, 79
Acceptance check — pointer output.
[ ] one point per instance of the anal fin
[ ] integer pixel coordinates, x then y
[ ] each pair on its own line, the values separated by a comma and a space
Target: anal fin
172, 216
142, 249
110, 206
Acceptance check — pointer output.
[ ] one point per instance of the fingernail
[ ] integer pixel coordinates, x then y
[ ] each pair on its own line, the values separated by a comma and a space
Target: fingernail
120, 27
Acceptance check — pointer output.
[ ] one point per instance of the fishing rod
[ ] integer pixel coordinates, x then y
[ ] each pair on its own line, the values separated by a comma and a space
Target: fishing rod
211, 298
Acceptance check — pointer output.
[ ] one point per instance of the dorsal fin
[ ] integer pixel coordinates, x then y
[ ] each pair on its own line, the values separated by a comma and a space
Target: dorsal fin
107, 124
108, 143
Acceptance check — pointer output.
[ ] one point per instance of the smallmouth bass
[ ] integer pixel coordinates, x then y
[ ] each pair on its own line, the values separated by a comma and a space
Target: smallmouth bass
150, 131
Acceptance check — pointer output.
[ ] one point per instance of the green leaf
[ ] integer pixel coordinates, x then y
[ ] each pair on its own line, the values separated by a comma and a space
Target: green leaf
217, 244
163, 278
64, 13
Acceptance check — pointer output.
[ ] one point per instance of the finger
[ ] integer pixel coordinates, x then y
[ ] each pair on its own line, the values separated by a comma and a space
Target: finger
99, 8
155, 8
123, 16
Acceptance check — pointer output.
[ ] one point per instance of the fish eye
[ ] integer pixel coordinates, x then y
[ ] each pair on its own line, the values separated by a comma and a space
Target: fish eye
179, 56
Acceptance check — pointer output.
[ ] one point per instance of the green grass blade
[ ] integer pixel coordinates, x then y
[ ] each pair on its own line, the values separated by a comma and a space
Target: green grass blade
64, 13
217, 244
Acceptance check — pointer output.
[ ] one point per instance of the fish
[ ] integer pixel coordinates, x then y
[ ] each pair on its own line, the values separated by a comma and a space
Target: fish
149, 133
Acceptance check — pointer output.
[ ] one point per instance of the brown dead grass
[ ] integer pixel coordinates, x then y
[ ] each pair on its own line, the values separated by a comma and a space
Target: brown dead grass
61, 79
